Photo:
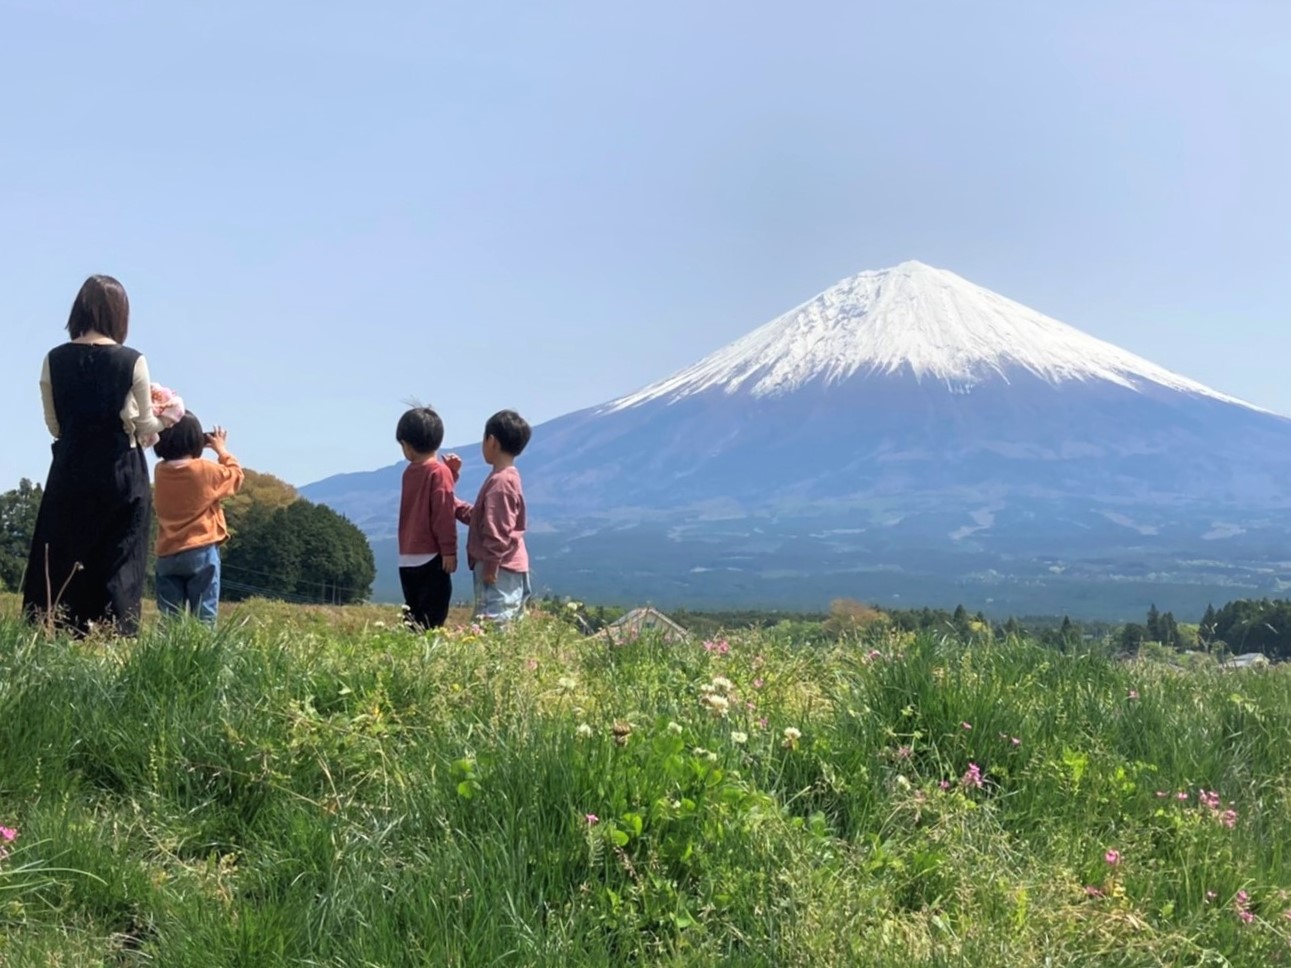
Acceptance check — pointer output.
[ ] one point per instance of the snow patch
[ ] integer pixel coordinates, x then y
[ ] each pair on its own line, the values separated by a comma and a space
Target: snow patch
929, 322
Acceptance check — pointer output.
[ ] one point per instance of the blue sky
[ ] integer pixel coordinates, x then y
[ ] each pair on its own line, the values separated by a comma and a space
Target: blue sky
320, 210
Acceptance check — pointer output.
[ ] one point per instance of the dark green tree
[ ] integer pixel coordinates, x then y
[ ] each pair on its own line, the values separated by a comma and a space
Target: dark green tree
301, 552
1206, 630
1250, 625
1132, 636
1154, 624
1168, 631
17, 526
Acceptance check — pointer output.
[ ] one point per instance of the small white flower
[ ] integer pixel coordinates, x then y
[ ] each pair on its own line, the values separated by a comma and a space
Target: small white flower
719, 706
675, 728
584, 731
791, 736
699, 751
567, 683
722, 684
378, 625
739, 738
712, 757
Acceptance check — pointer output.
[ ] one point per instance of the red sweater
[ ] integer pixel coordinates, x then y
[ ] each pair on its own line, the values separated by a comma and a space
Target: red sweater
427, 524
497, 523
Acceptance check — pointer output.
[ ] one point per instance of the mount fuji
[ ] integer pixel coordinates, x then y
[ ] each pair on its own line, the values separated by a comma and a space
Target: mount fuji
909, 438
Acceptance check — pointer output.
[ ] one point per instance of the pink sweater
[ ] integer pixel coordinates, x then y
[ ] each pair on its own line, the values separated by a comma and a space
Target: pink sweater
497, 523
426, 522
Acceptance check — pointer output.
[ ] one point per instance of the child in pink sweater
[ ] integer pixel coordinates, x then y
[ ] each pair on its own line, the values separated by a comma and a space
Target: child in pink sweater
495, 548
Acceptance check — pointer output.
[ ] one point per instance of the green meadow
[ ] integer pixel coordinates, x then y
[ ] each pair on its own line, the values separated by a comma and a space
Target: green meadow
309, 787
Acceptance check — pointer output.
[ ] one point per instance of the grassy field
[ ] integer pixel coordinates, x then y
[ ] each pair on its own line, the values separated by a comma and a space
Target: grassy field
313, 787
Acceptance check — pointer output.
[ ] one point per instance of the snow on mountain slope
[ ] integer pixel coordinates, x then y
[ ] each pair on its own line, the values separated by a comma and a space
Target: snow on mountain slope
913, 318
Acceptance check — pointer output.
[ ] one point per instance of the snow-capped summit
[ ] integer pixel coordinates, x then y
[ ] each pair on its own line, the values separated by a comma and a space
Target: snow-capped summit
926, 322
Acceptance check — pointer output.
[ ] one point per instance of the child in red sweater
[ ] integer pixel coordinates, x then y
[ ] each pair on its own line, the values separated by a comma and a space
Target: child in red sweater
427, 524
190, 519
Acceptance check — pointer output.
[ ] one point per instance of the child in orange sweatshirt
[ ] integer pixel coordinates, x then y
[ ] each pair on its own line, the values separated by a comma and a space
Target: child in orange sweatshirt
187, 492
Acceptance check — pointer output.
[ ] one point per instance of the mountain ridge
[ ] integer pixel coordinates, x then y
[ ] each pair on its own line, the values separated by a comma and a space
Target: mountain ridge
997, 456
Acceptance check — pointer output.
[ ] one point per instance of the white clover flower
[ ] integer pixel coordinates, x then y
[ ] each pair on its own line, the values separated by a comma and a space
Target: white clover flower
584, 731
567, 683
739, 738
719, 706
699, 751
722, 684
708, 689
675, 728
712, 757
378, 625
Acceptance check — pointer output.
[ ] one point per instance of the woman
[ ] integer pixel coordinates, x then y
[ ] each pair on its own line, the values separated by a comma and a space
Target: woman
89, 553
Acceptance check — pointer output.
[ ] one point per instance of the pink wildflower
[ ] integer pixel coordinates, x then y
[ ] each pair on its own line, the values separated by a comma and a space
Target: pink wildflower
1246, 916
904, 752
1209, 798
1015, 741
874, 655
1229, 819
1181, 796
972, 779
1210, 896
1113, 857
1092, 891
758, 683
8, 834
763, 722
966, 725
944, 784
592, 820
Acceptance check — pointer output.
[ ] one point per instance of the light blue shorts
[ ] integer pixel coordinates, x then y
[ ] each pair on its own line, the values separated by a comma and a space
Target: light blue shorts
505, 600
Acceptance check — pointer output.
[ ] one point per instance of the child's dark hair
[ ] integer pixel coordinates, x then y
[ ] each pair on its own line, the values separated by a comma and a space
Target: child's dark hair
185, 439
421, 429
510, 430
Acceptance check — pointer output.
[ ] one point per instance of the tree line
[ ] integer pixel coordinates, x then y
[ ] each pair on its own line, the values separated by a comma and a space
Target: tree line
281, 545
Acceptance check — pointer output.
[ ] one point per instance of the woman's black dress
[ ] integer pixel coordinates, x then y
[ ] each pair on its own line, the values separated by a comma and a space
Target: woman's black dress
90, 550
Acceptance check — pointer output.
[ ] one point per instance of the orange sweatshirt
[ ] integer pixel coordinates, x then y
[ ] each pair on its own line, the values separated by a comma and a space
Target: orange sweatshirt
187, 496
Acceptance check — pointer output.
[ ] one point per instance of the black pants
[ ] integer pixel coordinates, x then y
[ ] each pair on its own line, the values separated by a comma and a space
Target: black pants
427, 591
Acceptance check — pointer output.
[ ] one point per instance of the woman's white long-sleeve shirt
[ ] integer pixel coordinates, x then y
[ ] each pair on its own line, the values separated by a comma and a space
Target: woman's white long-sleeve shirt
137, 418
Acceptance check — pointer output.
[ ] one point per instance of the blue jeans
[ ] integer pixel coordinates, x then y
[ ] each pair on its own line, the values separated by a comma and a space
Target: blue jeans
190, 579
503, 601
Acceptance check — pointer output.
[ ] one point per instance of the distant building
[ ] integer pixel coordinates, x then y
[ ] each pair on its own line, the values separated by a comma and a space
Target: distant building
1249, 660
642, 621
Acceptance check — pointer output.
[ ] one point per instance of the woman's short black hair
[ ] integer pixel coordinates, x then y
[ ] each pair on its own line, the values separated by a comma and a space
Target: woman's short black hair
421, 429
510, 430
185, 439
102, 307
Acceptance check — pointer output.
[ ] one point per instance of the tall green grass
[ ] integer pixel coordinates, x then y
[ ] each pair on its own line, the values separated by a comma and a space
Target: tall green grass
296, 791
